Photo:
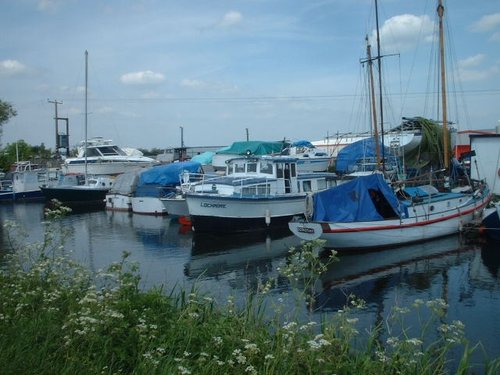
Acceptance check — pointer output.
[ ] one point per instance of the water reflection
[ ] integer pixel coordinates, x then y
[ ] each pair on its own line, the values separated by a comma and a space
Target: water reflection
465, 275
370, 275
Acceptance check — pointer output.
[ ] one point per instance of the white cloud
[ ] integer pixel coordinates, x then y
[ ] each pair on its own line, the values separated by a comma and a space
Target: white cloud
231, 18
495, 37
472, 61
403, 32
12, 67
49, 5
192, 83
487, 23
146, 77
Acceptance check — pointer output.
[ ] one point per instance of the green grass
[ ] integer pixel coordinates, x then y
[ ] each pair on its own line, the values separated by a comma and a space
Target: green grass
56, 317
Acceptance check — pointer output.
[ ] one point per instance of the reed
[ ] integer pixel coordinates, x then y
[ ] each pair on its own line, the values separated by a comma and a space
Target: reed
56, 317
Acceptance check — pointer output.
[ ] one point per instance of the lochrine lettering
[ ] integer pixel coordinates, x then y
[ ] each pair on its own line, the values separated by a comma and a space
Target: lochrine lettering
212, 205
305, 230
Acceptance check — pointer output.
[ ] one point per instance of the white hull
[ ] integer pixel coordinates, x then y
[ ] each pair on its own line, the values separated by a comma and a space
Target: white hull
118, 202
406, 141
313, 164
104, 168
176, 206
148, 206
238, 208
373, 234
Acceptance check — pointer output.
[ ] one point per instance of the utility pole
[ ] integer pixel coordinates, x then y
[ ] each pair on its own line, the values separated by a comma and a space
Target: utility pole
55, 102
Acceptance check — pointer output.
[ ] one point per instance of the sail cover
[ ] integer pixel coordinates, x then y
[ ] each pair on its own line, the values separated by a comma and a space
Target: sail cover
352, 201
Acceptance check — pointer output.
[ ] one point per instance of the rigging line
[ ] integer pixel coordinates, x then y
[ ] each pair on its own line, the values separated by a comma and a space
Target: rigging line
278, 98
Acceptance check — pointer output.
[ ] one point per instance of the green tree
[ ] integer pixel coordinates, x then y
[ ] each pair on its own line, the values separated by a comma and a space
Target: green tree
20, 151
6, 112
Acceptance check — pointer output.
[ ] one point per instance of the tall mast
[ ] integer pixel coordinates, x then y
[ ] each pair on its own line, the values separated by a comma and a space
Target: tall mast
440, 11
86, 112
372, 97
379, 63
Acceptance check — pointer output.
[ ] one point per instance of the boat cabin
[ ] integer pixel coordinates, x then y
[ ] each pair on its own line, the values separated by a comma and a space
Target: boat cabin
264, 176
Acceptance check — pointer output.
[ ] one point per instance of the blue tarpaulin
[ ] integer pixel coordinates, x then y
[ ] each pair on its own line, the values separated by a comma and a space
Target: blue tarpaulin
351, 201
352, 154
168, 174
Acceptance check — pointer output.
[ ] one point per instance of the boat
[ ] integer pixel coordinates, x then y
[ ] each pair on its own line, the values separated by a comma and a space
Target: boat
25, 181
80, 190
157, 183
490, 223
406, 138
368, 213
246, 148
104, 157
310, 158
119, 196
257, 193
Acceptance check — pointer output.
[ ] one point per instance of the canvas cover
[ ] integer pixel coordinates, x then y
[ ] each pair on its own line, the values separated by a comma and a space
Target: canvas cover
125, 183
350, 155
167, 174
302, 143
204, 158
351, 201
255, 148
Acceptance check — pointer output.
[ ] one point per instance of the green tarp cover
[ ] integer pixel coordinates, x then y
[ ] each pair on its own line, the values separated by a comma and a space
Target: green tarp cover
255, 148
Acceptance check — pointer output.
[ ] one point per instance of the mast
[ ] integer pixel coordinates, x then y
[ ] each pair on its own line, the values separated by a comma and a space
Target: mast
379, 64
440, 12
372, 96
86, 112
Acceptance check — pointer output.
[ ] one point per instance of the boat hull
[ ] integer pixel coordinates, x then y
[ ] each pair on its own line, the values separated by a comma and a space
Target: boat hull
118, 202
237, 214
110, 168
148, 206
76, 196
176, 206
386, 233
491, 222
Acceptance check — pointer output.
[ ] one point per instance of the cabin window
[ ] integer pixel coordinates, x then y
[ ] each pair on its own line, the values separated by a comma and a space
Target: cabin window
293, 167
306, 186
263, 189
321, 184
279, 170
266, 167
251, 167
239, 168
108, 150
92, 152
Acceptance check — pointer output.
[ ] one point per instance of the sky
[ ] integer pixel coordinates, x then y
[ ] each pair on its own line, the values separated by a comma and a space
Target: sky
215, 71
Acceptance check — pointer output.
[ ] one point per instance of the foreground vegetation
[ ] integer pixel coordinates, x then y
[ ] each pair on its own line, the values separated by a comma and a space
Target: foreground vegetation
56, 317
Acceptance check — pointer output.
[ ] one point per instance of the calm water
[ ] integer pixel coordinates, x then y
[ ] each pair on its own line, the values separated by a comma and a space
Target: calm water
466, 276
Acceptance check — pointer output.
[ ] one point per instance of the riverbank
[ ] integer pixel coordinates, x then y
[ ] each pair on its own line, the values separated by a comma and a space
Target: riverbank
57, 316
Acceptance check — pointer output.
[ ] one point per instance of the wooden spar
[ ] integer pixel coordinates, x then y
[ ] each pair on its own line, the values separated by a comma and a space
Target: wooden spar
374, 105
440, 11
86, 112
379, 64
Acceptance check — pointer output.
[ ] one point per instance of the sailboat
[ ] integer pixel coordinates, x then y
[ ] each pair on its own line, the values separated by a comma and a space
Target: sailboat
80, 190
369, 213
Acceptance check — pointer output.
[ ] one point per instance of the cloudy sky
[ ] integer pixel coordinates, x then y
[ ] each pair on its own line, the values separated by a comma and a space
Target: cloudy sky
279, 68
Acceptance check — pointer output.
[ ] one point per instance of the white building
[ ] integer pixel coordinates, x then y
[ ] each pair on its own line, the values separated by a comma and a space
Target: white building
487, 148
